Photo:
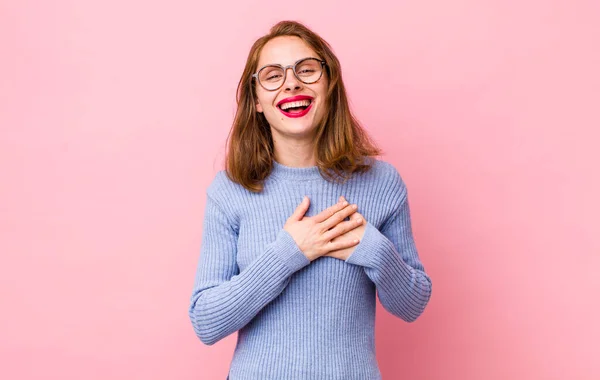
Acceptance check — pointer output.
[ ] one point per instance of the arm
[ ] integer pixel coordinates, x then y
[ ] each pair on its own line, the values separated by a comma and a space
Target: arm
391, 261
223, 300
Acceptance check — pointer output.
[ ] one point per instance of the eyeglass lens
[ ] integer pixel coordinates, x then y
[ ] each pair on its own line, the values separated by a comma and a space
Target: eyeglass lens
308, 71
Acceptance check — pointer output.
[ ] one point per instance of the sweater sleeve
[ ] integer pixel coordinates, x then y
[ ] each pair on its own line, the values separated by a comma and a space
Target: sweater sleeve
390, 260
224, 300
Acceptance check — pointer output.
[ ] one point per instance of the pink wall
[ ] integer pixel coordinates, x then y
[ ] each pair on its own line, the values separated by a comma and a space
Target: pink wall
113, 118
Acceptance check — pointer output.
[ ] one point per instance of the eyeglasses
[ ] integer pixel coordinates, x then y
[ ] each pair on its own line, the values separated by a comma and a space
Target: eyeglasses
307, 70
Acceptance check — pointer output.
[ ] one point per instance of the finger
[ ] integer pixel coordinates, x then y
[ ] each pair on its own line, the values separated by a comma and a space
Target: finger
328, 212
356, 215
343, 228
301, 209
342, 244
339, 216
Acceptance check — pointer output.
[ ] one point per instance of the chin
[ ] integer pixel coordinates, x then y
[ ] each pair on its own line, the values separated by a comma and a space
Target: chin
300, 129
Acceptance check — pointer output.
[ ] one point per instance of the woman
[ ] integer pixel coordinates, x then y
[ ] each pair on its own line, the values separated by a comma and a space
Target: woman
304, 225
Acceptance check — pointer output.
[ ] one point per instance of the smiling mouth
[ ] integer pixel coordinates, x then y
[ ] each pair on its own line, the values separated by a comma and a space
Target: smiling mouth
296, 107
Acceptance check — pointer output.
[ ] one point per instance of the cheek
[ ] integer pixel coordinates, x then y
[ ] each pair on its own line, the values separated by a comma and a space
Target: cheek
263, 102
323, 104
322, 93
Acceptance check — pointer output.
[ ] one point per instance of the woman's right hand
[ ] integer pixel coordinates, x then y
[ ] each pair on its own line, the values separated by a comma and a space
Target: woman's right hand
313, 234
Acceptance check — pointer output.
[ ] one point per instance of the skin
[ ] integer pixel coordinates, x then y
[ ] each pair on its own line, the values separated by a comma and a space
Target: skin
293, 137
356, 233
325, 234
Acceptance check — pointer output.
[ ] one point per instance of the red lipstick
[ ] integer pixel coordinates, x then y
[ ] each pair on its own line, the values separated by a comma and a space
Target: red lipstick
296, 114
294, 98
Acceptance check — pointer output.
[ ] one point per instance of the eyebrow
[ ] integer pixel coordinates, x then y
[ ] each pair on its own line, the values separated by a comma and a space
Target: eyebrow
291, 64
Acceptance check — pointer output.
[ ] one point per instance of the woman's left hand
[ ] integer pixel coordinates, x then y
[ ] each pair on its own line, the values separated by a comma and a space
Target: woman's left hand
356, 233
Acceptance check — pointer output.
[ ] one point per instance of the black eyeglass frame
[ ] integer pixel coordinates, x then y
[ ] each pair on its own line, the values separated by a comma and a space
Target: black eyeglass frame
285, 68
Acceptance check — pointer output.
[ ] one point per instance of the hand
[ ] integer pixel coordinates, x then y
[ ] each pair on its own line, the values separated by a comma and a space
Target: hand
314, 235
354, 234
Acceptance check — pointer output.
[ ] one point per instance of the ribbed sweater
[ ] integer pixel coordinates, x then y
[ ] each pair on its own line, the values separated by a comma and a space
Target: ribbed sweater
298, 319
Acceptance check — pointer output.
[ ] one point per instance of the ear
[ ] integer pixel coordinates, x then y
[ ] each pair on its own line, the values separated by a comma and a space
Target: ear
258, 107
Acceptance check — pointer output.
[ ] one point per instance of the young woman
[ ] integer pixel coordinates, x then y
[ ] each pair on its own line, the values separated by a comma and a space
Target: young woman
304, 227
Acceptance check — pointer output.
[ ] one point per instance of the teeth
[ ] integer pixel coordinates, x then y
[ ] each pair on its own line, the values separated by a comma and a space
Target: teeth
298, 103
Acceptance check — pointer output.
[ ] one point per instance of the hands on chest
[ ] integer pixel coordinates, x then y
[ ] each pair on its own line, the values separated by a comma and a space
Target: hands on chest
327, 233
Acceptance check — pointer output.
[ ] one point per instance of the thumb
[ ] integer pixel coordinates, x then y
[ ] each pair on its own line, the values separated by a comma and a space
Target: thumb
301, 209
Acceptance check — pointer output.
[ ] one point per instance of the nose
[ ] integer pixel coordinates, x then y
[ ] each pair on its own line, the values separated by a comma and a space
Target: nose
291, 82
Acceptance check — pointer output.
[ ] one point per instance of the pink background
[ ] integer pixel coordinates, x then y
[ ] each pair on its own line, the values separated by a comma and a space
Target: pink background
113, 119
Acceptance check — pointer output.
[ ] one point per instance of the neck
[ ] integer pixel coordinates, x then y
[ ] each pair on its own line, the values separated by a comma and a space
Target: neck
294, 153
296, 162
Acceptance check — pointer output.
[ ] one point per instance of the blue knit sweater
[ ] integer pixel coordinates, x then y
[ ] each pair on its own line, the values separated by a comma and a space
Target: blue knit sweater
298, 319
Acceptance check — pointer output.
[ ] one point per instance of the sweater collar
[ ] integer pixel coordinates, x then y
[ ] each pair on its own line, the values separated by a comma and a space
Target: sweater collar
295, 173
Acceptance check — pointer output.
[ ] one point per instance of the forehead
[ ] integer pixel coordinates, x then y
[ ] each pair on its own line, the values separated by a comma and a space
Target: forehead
285, 50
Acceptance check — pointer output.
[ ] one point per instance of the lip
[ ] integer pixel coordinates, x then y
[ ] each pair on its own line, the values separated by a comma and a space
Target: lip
297, 114
294, 98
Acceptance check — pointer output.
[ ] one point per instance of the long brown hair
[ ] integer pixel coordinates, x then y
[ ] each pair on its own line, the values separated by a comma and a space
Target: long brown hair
341, 143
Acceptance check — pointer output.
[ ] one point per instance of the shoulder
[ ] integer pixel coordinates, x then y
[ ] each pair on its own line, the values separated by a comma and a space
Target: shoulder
222, 186
225, 191
385, 171
219, 183
385, 176
222, 192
